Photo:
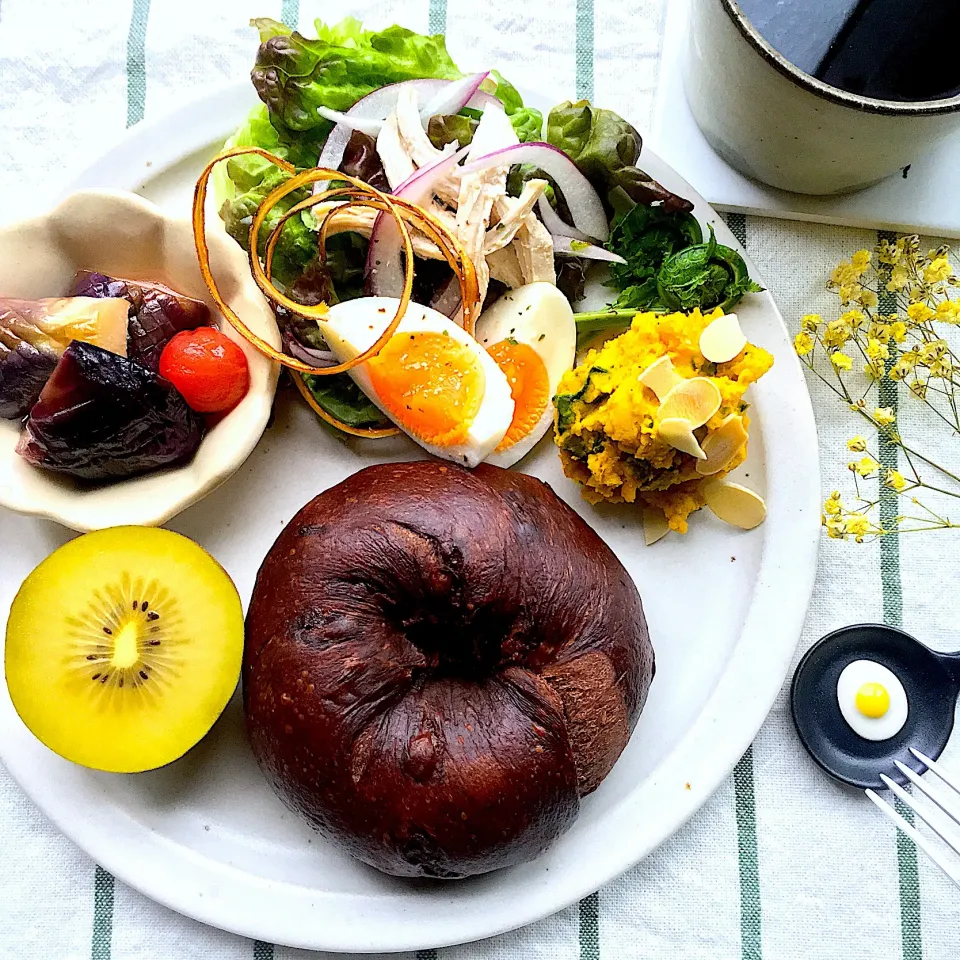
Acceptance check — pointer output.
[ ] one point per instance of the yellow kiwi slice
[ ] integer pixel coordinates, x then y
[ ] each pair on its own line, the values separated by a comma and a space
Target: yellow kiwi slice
123, 647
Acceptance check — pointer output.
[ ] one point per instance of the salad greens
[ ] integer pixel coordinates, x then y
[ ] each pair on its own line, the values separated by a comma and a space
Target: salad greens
343, 399
293, 75
606, 148
706, 275
446, 129
645, 237
669, 265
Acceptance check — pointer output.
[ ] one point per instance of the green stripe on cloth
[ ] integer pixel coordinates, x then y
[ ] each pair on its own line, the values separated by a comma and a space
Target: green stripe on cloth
584, 50
589, 906
590, 927
747, 858
101, 943
290, 15
137, 62
261, 950
737, 222
751, 944
437, 17
911, 942
101, 940
426, 955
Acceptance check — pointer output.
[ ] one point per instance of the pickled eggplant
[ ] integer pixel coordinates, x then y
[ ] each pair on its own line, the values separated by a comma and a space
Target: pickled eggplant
156, 312
35, 333
103, 417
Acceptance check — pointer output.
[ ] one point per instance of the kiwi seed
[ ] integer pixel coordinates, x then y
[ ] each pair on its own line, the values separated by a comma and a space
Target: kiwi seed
126, 638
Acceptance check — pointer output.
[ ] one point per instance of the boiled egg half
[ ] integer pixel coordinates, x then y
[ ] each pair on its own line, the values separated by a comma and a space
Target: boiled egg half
872, 700
431, 378
531, 334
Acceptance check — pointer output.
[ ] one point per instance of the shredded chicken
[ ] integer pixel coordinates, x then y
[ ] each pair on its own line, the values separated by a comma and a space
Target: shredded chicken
500, 234
535, 251
361, 220
505, 267
396, 163
512, 213
417, 145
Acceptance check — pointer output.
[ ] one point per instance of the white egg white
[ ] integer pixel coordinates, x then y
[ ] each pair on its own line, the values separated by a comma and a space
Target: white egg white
852, 678
354, 326
539, 315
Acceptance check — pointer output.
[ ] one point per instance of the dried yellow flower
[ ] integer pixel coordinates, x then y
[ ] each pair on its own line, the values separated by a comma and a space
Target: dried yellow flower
884, 416
841, 361
857, 444
895, 480
876, 349
858, 525
833, 506
937, 270
899, 276
810, 322
803, 343
948, 311
835, 527
889, 253
864, 467
932, 351
844, 274
901, 369
866, 298
920, 313
860, 261
942, 369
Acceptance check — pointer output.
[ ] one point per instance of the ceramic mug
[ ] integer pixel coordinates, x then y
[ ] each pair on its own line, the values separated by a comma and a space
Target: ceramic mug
777, 124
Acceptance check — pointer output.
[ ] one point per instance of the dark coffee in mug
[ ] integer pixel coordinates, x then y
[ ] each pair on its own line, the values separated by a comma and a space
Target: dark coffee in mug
904, 50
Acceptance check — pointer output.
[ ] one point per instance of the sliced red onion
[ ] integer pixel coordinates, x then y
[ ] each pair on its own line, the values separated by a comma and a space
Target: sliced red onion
317, 358
454, 97
554, 224
447, 300
572, 247
370, 127
378, 104
583, 201
384, 269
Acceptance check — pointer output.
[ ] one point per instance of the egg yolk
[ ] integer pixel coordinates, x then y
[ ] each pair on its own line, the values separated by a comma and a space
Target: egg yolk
430, 384
529, 387
873, 700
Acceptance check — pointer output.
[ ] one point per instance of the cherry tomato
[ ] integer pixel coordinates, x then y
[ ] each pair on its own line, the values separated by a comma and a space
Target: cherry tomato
207, 367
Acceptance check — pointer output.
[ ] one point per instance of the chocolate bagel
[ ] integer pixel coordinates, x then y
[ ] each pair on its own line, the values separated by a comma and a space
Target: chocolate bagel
439, 664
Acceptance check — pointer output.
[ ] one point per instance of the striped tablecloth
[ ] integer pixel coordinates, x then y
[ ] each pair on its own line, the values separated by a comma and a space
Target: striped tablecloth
780, 864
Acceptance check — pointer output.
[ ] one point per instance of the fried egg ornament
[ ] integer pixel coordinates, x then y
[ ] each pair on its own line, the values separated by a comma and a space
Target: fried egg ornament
872, 700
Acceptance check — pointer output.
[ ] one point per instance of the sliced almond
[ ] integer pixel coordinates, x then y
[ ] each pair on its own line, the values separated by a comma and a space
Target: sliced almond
695, 400
660, 377
735, 504
655, 526
723, 339
679, 434
723, 445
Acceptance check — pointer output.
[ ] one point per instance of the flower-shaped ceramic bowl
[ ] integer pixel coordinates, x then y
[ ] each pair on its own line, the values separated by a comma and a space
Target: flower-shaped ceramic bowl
121, 234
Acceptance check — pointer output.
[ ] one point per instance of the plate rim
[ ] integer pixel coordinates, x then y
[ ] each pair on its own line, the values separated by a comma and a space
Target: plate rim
193, 884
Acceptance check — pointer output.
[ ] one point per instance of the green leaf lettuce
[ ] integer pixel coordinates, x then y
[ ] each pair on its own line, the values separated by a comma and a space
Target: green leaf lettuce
605, 149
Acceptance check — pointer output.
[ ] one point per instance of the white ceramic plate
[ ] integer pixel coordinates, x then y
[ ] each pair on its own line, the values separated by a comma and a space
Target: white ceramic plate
207, 837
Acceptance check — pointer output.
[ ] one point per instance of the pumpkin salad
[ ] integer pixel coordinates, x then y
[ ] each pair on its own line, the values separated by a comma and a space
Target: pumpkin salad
657, 414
